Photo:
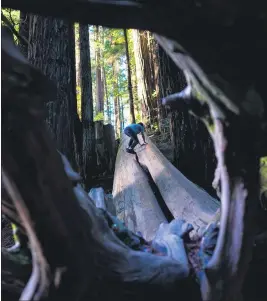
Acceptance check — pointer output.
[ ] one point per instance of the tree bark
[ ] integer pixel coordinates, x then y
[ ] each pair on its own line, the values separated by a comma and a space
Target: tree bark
99, 77
184, 199
52, 52
88, 131
77, 54
135, 202
192, 144
121, 114
116, 99
141, 89
24, 32
110, 147
130, 89
107, 97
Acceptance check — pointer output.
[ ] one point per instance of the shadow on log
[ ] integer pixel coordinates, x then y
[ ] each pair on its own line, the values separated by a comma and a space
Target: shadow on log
136, 205
184, 199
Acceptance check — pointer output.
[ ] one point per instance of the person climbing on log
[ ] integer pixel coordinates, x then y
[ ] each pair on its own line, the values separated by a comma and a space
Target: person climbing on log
132, 131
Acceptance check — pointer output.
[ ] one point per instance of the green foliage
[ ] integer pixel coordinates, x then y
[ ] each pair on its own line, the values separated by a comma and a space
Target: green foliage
112, 55
14, 17
99, 116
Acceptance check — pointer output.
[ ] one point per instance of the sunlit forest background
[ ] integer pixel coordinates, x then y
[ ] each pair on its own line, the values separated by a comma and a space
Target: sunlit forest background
106, 79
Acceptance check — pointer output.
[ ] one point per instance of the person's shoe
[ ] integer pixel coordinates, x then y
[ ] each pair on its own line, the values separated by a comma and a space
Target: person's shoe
130, 150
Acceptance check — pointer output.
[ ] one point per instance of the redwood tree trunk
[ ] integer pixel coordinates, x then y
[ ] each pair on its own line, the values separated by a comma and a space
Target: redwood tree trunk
193, 147
130, 89
116, 100
88, 138
99, 79
107, 97
52, 51
24, 32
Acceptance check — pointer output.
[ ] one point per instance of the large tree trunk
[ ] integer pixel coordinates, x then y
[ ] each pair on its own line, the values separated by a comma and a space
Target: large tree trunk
193, 149
183, 198
52, 51
192, 144
88, 132
24, 32
135, 202
130, 89
141, 88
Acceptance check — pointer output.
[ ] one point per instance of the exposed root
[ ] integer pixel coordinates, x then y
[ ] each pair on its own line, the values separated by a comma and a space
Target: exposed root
39, 281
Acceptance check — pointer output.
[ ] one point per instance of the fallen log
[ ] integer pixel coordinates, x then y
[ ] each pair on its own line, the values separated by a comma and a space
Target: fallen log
184, 199
135, 202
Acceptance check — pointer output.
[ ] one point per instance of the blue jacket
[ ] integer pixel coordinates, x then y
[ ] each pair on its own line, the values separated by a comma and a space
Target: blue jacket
137, 128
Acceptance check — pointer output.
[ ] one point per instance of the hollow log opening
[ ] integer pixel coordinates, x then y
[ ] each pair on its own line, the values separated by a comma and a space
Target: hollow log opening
156, 233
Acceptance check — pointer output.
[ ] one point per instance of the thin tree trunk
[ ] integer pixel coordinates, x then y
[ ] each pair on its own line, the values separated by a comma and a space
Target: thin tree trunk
107, 96
99, 79
116, 99
121, 115
78, 55
88, 138
130, 89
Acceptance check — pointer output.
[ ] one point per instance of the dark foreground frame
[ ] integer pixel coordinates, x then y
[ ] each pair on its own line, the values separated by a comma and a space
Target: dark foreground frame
34, 179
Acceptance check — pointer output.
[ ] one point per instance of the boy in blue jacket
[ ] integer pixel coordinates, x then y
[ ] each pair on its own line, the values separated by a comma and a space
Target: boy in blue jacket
132, 131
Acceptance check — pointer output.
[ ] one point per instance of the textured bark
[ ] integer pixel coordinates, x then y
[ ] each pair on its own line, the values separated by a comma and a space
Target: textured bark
184, 199
116, 99
100, 147
147, 71
107, 97
192, 145
88, 131
77, 54
121, 108
135, 202
110, 147
141, 89
52, 51
130, 89
99, 77
24, 32
193, 149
